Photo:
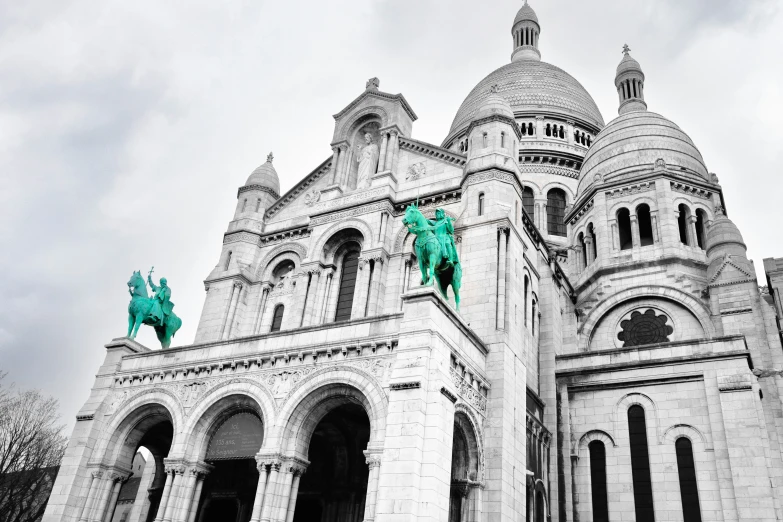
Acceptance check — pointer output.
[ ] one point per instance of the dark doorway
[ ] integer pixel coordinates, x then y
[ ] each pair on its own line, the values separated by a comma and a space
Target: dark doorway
229, 491
158, 441
335, 485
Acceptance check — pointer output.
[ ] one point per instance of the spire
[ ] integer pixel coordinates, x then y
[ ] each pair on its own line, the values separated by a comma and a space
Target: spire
270, 157
524, 32
629, 81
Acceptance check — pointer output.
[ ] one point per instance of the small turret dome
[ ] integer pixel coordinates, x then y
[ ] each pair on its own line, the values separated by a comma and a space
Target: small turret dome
494, 104
526, 13
724, 244
627, 64
266, 176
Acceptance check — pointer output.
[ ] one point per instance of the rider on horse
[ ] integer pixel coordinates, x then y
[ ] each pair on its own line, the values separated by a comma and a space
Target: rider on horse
162, 305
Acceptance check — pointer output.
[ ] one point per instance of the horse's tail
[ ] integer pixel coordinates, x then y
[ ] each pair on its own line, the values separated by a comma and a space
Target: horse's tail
456, 279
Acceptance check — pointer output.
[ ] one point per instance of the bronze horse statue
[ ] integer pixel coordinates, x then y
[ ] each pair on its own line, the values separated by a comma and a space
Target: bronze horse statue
139, 311
435, 250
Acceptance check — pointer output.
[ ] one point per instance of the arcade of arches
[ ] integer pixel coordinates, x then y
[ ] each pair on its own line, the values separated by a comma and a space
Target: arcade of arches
236, 479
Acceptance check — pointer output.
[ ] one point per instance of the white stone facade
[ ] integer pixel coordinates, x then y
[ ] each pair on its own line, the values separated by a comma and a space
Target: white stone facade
613, 358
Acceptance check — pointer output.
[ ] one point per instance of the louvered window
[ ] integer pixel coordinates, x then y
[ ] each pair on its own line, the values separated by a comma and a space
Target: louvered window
347, 286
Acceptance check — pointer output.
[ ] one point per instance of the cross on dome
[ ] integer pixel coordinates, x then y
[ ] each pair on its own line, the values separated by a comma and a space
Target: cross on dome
270, 157
626, 49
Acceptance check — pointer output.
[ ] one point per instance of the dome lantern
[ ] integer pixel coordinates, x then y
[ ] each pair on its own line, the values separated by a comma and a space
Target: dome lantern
525, 31
629, 81
265, 176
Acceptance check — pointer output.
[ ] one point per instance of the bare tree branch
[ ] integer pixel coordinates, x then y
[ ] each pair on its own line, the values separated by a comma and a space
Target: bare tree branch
31, 447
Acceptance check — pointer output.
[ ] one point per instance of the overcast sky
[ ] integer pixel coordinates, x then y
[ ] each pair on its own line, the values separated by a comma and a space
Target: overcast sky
126, 128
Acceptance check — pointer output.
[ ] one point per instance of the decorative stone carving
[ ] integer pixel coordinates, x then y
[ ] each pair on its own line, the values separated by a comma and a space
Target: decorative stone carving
645, 328
373, 83
416, 171
468, 393
368, 161
312, 197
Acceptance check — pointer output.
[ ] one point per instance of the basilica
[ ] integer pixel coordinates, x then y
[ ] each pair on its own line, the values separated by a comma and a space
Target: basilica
614, 355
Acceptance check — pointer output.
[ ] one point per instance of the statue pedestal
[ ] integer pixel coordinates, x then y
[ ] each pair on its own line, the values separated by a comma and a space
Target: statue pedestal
331, 192
382, 178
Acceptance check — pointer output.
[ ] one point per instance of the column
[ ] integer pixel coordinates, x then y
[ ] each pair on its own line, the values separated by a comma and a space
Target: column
345, 163
285, 491
299, 300
324, 284
95, 480
589, 247
335, 159
164, 498
382, 233
539, 126
654, 223
288, 499
615, 234
570, 132
395, 149
232, 309
102, 498
193, 506
372, 298
265, 289
260, 489
362, 289
374, 463
331, 302
384, 146
501, 303
539, 214
119, 480
635, 231
269, 492
186, 496
312, 293
176, 486
578, 261
693, 240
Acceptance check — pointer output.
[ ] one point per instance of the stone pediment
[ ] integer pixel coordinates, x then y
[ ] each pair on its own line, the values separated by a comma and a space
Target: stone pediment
306, 190
731, 272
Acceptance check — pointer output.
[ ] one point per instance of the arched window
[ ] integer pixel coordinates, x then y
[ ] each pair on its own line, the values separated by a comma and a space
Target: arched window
481, 204
523, 129
645, 225
282, 271
689, 492
562, 133
598, 481
527, 299
277, 318
485, 141
528, 201
502, 140
682, 222
228, 260
462, 147
700, 218
244, 204
555, 212
347, 286
588, 140
640, 465
530, 129
533, 316
548, 129
540, 507
581, 241
624, 228
591, 232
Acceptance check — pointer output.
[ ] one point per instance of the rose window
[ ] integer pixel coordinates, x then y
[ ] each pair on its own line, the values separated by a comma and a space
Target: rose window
645, 328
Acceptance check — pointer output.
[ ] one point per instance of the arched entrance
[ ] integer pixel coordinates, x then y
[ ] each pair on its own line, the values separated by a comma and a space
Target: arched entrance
465, 484
229, 489
334, 487
133, 484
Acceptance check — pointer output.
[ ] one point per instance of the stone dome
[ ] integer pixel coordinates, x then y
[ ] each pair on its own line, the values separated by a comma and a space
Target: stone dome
635, 142
534, 86
494, 104
628, 64
266, 176
526, 13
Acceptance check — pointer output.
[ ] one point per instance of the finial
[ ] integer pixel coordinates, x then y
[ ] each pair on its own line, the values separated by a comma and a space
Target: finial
525, 2
373, 83
270, 157
626, 49
494, 88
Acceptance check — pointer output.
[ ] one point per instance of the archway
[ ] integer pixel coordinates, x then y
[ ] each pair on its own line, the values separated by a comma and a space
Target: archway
463, 501
139, 445
230, 488
334, 487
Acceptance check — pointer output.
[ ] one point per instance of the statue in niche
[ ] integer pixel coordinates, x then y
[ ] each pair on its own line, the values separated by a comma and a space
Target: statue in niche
368, 161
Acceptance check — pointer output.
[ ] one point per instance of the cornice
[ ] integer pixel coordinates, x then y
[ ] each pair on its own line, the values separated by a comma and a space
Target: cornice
383, 96
495, 118
261, 188
433, 151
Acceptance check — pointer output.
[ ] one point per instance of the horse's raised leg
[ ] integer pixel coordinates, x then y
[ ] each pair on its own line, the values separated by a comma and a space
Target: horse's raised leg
131, 321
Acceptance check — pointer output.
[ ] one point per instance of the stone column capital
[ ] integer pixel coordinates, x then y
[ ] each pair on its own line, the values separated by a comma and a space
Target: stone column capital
238, 285
503, 229
266, 286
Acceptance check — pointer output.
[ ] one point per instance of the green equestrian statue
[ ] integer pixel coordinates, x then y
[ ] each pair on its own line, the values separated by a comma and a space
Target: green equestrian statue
436, 250
156, 311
